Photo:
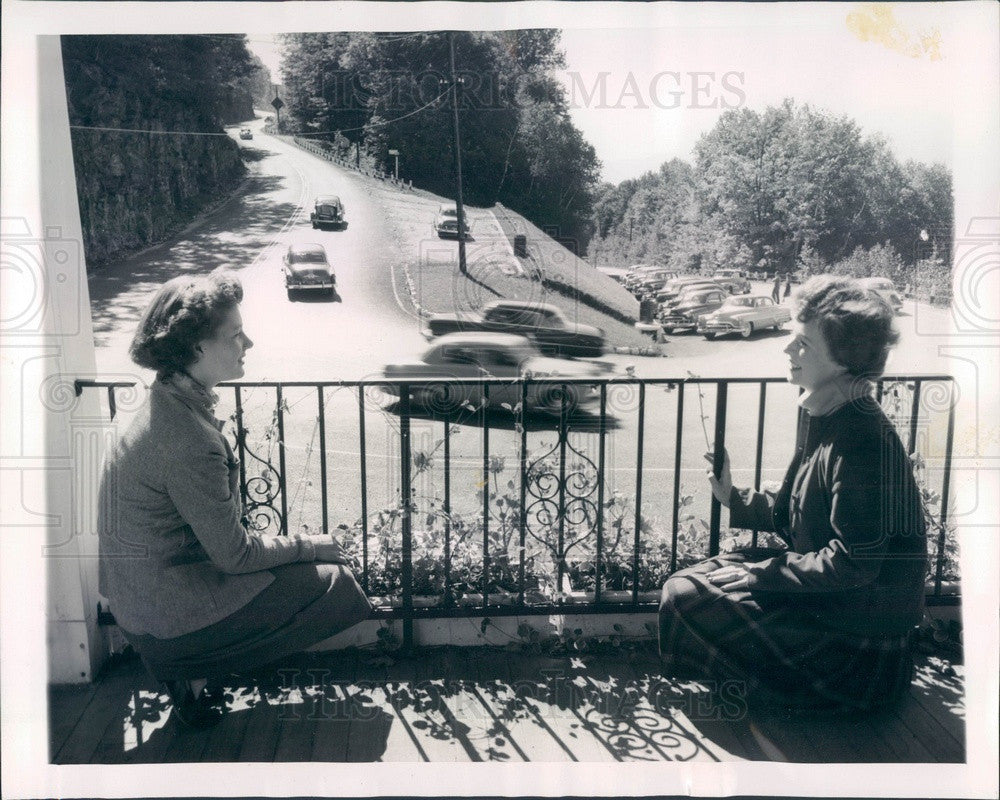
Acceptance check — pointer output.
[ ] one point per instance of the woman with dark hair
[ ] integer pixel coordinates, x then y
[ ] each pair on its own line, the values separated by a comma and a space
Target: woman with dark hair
197, 594
826, 620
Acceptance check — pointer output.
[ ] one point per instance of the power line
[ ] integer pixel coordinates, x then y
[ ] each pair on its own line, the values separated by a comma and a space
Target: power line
143, 130
377, 124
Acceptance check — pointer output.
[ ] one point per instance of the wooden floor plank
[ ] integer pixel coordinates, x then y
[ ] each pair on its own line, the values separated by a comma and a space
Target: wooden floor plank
226, 739
108, 706
150, 729
66, 705
942, 695
926, 730
333, 710
394, 690
670, 737
260, 737
723, 727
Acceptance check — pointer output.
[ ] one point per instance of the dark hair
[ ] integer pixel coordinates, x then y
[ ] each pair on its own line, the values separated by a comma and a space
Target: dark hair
856, 323
183, 312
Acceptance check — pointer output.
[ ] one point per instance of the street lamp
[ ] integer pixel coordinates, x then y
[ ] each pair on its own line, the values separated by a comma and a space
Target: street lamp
395, 154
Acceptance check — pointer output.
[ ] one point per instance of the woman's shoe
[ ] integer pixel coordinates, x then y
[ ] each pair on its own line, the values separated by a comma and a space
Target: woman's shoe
196, 713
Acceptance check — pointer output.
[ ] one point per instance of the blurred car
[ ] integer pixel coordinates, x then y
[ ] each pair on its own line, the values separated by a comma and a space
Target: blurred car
886, 289
734, 280
684, 314
668, 296
246, 133
743, 314
327, 210
446, 221
471, 356
636, 272
545, 324
306, 269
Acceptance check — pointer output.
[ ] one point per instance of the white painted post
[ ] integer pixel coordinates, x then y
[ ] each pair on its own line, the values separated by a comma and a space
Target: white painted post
52, 441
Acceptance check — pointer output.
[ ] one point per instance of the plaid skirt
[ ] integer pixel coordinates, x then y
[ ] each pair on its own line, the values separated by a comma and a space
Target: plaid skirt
780, 651
304, 604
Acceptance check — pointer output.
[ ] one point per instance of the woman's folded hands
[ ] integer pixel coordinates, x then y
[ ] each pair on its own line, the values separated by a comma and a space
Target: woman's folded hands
330, 551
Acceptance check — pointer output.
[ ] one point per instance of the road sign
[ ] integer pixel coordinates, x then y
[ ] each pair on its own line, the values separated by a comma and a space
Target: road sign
278, 103
393, 152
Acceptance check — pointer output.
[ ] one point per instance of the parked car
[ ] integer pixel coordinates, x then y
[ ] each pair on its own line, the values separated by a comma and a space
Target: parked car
684, 315
446, 221
470, 356
544, 324
651, 282
328, 210
636, 273
667, 296
735, 280
306, 269
743, 314
246, 133
886, 289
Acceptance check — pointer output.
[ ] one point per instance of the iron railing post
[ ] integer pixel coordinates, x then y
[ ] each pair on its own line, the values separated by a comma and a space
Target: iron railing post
718, 457
406, 501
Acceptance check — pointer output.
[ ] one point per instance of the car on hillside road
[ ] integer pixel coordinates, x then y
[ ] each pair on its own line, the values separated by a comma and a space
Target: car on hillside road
328, 211
743, 314
684, 314
307, 269
446, 222
886, 289
436, 380
246, 133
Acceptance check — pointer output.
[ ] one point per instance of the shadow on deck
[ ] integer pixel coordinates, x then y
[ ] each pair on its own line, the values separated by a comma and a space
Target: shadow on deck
489, 704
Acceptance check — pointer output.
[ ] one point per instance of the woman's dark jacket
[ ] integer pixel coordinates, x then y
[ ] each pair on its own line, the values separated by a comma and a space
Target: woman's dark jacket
850, 512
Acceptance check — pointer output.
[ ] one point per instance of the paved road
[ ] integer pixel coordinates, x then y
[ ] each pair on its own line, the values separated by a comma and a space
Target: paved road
372, 323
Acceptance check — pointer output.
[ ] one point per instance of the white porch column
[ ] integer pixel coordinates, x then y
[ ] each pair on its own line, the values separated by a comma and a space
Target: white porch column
52, 441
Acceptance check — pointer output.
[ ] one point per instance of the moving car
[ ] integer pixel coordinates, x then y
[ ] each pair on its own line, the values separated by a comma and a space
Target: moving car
471, 356
446, 221
307, 269
743, 315
734, 280
885, 289
246, 133
327, 210
543, 323
684, 314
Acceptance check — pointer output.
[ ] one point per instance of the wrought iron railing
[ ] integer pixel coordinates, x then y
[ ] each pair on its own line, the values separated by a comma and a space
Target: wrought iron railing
560, 500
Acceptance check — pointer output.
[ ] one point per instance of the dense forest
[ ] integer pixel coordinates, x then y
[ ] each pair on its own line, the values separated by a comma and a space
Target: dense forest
140, 108
389, 91
790, 188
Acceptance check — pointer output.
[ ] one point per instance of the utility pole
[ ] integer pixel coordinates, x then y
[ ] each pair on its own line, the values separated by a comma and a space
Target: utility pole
458, 156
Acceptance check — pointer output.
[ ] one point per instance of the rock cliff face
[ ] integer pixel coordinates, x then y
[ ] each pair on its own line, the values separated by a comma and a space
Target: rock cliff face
149, 152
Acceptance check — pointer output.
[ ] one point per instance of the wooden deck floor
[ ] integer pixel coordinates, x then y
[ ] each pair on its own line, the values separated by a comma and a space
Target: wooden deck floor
488, 704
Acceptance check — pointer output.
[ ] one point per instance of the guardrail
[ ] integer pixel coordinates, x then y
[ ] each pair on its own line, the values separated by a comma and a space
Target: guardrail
559, 501
317, 150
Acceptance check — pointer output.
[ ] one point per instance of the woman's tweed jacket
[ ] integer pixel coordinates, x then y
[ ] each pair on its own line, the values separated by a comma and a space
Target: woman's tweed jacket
850, 513
174, 554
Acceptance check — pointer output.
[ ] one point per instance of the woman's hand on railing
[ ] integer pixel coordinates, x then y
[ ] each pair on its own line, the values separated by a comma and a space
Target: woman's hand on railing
722, 486
330, 551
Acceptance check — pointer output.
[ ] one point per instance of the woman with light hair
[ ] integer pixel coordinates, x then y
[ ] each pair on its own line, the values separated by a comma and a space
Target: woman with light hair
826, 620
195, 592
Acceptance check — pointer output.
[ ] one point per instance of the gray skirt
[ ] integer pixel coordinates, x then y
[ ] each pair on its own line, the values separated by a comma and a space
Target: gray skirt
305, 604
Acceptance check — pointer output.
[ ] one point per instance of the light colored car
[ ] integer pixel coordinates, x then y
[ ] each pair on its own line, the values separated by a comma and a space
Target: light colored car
471, 356
736, 281
306, 268
743, 314
446, 221
886, 289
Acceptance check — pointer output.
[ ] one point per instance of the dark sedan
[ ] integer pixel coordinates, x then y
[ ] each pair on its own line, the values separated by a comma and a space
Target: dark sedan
684, 315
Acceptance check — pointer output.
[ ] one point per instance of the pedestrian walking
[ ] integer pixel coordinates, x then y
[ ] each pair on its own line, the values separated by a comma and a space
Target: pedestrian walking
776, 291
788, 286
